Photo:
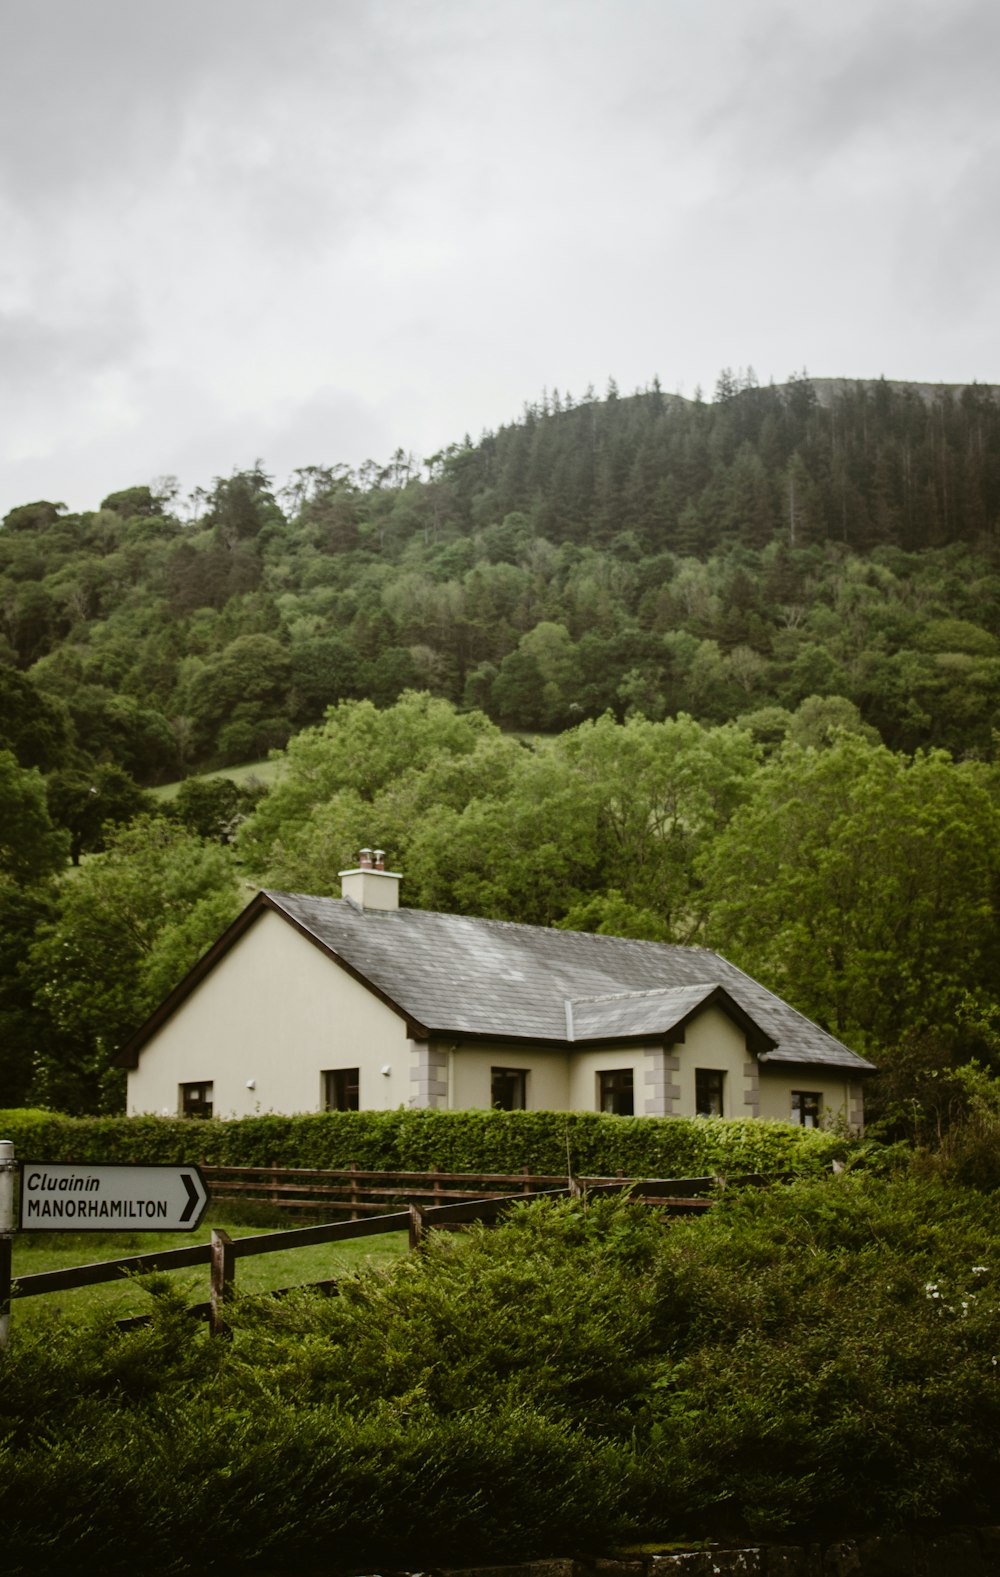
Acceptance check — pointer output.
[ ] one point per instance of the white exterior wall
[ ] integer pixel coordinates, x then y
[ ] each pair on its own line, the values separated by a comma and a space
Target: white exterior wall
588, 1064
712, 1040
777, 1084
547, 1084
276, 1010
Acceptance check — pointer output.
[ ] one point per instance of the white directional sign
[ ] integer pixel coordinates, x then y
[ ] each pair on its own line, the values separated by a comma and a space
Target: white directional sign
58, 1196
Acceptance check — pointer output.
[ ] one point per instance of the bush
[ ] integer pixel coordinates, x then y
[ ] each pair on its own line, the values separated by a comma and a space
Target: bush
804, 1362
415, 1141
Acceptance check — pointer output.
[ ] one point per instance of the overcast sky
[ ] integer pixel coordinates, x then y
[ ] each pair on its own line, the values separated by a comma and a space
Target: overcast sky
314, 231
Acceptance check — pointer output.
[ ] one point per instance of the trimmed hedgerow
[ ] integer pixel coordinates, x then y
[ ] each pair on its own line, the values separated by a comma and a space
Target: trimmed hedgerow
415, 1141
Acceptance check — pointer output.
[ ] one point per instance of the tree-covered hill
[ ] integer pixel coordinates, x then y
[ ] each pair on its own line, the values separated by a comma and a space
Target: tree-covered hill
636, 553
748, 622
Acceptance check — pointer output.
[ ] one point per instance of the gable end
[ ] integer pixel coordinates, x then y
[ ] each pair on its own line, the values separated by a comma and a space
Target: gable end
262, 902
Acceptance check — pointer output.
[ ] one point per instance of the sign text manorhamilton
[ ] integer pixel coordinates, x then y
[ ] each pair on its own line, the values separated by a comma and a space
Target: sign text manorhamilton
58, 1196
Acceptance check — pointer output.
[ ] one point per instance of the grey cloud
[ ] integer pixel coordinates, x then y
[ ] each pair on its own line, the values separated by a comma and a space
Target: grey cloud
34, 349
320, 230
806, 93
103, 91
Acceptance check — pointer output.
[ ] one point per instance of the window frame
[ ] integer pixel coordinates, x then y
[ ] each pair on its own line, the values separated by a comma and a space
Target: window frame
197, 1106
616, 1092
799, 1112
519, 1078
340, 1091
715, 1077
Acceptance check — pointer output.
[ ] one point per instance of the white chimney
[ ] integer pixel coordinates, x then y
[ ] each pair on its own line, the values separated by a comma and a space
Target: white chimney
369, 885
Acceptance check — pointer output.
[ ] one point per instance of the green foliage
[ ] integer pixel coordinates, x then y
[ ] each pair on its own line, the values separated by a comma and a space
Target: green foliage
134, 503
90, 799
637, 553
465, 1141
33, 517
241, 685
35, 728
643, 566
862, 884
128, 926
481, 825
31, 848
23, 1025
215, 807
357, 780
804, 1362
968, 1153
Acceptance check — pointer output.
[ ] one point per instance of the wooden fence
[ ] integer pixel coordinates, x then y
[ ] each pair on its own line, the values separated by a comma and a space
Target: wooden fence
351, 1192
677, 1196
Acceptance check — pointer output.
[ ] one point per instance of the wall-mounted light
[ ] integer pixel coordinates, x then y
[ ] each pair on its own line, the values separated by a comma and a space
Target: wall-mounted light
386, 1069
251, 1084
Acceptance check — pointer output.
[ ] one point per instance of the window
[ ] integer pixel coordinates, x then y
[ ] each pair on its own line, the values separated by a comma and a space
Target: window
196, 1099
341, 1089
508, 1089
708, 1090
806, 1107
615, 1092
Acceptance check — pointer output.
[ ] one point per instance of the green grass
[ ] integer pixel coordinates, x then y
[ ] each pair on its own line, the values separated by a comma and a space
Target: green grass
35, 1252
262, 771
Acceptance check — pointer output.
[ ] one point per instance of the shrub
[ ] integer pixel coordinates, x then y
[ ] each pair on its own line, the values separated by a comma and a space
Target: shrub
413, 1141
805, 1361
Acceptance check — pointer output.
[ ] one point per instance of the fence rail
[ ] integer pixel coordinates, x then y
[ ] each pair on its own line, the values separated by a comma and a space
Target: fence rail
674, 1196
298, 1190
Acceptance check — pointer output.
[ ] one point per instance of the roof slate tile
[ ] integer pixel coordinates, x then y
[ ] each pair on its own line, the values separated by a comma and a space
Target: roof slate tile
454, 974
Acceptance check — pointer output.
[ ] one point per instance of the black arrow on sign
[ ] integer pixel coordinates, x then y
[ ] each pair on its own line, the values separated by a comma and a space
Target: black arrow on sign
189, 1208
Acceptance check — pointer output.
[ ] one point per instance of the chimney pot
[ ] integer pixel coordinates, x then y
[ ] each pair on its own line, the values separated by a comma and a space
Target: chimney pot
380, 859
366, 859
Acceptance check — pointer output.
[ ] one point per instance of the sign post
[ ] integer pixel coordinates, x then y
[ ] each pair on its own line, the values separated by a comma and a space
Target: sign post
60, 1196
8, 1166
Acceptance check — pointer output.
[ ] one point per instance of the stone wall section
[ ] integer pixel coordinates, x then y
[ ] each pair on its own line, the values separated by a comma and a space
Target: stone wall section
429, 1075
751, 1093
663, 1093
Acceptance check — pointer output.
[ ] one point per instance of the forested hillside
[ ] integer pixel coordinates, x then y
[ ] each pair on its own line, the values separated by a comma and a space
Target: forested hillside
641, 553
753, 627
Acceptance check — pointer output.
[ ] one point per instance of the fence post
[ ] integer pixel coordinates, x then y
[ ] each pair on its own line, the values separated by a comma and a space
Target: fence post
223, 1276
8, 1166
354, 1191
417, 1227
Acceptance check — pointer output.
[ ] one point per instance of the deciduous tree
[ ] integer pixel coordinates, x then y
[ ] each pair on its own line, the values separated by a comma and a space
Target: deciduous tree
862, 886
128, 926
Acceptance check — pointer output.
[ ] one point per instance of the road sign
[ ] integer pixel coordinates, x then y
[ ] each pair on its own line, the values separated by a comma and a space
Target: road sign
59, 1196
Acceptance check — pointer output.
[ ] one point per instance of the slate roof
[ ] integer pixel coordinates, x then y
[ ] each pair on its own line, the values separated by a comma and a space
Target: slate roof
453, 974
662, 1012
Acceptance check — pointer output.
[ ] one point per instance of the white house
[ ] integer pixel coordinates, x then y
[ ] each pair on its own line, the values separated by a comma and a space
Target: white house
312, 1004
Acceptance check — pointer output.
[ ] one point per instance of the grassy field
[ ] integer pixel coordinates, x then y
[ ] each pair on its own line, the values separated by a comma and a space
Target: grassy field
261, 771
40, 1251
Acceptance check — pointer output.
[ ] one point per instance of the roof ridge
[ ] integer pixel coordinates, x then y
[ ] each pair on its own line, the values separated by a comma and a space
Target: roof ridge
596, 937
650, 991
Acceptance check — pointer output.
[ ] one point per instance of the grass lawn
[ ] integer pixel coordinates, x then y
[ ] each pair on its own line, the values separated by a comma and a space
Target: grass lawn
38, 1251
260, 771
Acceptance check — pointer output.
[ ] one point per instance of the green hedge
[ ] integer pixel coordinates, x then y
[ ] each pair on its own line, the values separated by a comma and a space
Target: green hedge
804, 1363
416, 1141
